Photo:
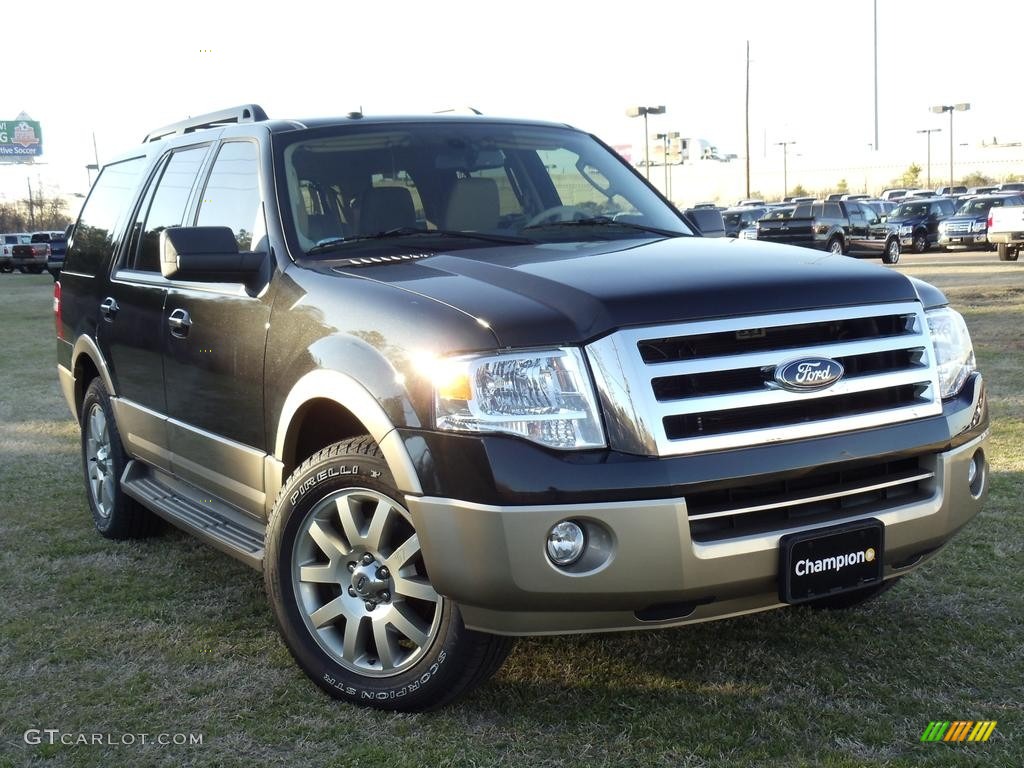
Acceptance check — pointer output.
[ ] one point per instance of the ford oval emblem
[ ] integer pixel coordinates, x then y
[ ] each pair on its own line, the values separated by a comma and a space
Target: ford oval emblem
808, 374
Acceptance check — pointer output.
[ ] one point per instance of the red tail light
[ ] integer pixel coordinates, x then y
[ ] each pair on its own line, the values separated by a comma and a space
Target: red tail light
989, 222
56, 310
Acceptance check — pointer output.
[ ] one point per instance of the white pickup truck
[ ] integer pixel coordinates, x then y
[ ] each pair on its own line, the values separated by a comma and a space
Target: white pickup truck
1006, 230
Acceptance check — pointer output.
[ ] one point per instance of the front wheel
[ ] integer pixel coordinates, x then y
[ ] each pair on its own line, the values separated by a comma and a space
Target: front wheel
351, 594
920, 244
835, 246
892, 252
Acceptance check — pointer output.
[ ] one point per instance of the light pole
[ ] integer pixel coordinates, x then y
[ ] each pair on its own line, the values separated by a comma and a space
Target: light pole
645, 111
785, 165
666, 137
928, 173
951, 108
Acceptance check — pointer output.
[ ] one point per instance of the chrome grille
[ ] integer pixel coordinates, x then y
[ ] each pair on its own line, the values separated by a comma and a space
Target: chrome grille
958, 227
709, 385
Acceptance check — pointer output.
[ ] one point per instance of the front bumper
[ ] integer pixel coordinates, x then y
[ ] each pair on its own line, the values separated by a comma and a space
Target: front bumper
490, 558
963, 241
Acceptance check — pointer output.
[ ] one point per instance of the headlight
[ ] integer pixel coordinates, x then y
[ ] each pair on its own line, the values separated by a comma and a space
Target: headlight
951, 343
906, 230
980, 226
545, 396
942, 226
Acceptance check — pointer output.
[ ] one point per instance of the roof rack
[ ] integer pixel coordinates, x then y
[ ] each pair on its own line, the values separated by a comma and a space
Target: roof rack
244, 113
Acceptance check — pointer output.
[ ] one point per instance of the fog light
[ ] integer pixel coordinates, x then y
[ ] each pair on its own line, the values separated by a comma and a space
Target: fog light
976, 473
566, 542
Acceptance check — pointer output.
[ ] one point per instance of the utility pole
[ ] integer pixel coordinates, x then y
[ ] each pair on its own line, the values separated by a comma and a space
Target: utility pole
876, 75
31, 205
785, 165
746, 118
929, 132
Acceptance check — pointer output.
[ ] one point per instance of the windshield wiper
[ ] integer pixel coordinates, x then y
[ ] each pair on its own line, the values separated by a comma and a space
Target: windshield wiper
391, 234
607, 221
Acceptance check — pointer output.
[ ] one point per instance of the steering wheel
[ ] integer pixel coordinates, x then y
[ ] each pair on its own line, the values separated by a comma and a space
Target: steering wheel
557, 213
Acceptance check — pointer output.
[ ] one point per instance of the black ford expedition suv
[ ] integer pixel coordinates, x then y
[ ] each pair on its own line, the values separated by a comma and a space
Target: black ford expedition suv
449, 380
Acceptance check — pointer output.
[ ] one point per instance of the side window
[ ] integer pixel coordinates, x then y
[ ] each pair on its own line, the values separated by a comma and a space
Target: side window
870, 215
232, 194
167, 208
833, 211
95, 236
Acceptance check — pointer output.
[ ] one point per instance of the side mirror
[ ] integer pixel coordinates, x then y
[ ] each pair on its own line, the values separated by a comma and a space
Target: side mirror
207, 255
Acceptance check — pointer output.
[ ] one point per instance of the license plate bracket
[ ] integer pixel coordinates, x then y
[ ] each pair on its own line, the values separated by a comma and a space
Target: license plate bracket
830, 561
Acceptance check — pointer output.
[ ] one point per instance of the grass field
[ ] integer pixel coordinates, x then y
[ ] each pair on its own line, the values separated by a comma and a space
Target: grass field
169, 636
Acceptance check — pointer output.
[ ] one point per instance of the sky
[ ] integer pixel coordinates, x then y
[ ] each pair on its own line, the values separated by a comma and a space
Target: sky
580, 63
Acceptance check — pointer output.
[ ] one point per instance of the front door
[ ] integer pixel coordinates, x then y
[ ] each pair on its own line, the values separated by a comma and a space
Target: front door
213, 339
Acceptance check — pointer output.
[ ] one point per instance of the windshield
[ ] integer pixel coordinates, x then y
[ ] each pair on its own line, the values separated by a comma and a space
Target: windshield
468, 185
909, 211
978, 207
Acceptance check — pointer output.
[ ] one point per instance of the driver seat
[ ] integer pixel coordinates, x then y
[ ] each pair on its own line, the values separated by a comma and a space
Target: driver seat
473, 206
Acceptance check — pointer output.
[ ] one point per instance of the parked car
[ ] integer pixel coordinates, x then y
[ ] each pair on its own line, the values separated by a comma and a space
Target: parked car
917, 221
1006, 230
893, 194
968, 227
916, 194
534, 419
950, 191
32, 256
1010, 186
857, 196
750, 204
58, 246
841, 226
738, 219
7, 243
775, 213
708, 221
981, 190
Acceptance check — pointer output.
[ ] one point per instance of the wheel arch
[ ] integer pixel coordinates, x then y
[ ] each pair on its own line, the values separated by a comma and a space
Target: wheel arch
86, 364
331, 395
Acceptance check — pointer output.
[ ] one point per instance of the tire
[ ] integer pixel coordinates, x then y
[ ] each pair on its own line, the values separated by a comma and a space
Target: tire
1008, 253
36, 270
920, 244
892, 252
22, 270
853, 599
338, 526
835, 246
6, 269
116, 515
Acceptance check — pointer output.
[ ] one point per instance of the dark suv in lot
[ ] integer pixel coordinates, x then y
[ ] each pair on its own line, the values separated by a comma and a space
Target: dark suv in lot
917, 221
448, 380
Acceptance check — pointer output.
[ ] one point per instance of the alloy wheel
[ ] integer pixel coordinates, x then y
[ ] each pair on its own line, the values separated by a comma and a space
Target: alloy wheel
100, 461
360, 584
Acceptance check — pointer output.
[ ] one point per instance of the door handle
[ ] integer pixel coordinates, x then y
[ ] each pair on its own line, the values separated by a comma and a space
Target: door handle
109, 308
180, 322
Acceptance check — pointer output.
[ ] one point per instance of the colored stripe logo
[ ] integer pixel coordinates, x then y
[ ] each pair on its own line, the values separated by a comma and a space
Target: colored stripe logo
958, 730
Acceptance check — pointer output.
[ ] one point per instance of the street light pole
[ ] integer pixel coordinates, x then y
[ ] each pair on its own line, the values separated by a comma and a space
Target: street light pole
645, 111
665, 138
929, 132
785, 165
951, 108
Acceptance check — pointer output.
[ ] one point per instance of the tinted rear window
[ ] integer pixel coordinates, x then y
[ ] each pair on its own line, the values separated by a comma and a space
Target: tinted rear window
97, 229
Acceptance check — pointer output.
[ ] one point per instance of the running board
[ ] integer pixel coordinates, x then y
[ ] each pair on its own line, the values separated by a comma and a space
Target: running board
189, 508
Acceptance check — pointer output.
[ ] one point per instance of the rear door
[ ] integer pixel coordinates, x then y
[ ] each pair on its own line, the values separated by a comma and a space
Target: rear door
213, 353
131, 325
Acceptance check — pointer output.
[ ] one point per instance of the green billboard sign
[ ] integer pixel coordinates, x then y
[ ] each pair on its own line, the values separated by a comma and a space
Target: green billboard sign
20, 138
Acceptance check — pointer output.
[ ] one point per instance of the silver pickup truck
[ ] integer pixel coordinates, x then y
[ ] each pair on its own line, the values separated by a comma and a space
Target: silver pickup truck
1006, 230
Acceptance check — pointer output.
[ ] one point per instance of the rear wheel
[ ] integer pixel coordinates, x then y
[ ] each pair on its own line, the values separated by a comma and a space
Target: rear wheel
1007, 253
116, 515
835, 246
892, 251
351, 594
6, 269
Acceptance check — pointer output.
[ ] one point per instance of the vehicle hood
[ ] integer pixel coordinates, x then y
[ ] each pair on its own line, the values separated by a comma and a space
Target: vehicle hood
907, 220
571, 293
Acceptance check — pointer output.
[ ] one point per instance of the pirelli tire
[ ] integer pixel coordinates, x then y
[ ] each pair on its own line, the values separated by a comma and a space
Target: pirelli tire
350, 592
115, 514
854, 598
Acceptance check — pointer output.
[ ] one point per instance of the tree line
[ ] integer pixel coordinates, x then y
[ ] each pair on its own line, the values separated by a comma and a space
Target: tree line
35, 215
